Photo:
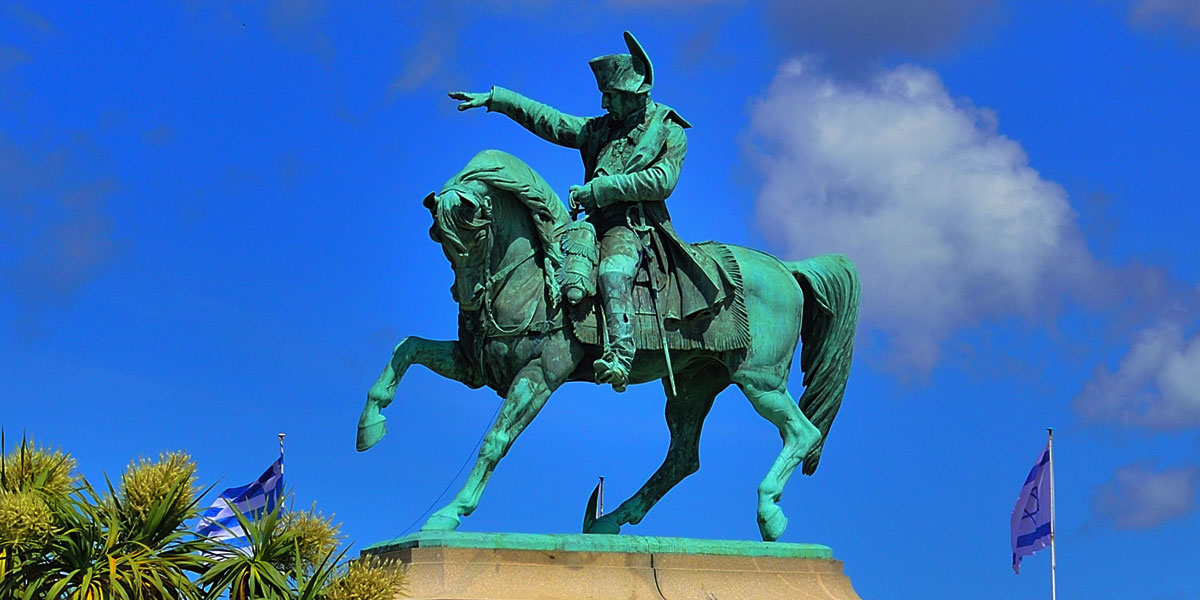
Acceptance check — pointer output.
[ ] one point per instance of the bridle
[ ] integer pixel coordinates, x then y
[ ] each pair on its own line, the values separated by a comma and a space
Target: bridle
493, 284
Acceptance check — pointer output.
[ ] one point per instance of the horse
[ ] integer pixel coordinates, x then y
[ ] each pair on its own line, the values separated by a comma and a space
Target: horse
514, 337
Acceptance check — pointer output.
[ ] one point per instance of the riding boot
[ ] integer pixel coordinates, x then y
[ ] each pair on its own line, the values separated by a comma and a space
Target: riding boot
613, 367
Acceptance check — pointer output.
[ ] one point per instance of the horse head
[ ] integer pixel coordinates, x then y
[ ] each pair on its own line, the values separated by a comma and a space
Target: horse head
462, 215
495, 214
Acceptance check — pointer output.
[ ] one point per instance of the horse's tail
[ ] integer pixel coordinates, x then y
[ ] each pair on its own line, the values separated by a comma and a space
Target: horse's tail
830, 284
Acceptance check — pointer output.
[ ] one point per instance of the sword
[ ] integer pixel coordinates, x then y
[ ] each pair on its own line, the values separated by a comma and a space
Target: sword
653, 273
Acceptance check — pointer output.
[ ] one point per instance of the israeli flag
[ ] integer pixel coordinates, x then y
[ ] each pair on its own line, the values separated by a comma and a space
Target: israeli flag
1031, 522
219, 522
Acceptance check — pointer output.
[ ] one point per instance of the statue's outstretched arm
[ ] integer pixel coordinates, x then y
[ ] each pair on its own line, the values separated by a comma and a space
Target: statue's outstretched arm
544, 121
652, 184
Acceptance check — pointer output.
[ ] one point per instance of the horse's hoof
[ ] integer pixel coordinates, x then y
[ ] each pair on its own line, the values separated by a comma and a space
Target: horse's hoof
604, 525
441, 523
771, 522
372, 426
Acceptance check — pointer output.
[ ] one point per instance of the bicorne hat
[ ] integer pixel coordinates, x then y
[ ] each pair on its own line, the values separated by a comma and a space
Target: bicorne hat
624, 72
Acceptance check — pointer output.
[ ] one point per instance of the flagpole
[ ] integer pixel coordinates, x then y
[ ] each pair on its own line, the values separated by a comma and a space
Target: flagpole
1053, 526
281, 450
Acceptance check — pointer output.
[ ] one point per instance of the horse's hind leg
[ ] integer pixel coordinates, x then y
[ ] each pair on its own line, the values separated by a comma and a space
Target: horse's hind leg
685, 417
767, 391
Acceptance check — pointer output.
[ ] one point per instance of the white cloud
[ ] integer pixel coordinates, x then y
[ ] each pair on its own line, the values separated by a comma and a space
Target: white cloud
11, 56
1160, 12
943, 215
433, 58
56, 232
851, 33
1156, 384
299, 22
1138, 497
33, 21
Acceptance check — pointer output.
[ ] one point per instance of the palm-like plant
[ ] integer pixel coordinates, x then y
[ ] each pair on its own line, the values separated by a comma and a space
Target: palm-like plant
34, 483
61, 539
290, 555
95, 557
127, 544
367, 579
252, 570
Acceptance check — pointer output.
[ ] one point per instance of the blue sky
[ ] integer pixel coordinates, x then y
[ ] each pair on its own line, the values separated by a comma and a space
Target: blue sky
211, 232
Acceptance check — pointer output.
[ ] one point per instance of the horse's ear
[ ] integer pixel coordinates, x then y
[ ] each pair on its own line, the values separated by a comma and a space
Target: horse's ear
430, 201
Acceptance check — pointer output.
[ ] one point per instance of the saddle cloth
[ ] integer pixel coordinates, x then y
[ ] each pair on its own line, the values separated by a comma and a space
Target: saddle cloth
725, 326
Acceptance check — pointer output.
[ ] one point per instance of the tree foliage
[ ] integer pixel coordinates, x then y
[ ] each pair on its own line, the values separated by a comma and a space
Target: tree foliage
62, 539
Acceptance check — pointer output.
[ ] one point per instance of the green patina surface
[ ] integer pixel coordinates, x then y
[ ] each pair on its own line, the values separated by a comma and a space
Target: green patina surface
582, 542
512, 244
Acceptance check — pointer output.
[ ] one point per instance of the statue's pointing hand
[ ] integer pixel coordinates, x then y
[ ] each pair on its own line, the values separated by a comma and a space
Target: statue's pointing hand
471, 100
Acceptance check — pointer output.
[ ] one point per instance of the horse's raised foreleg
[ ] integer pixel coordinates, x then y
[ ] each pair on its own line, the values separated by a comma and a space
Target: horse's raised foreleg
685, 417
442, 357
767, 391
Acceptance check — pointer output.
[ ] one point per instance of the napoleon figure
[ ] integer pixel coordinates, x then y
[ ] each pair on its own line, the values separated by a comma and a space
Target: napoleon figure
632, 157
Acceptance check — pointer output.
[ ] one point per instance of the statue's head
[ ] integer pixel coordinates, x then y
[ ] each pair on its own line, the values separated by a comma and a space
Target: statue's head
624, 79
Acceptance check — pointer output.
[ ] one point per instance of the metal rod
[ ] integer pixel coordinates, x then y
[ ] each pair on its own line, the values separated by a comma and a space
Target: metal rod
1053, 526
666, 354
652, 273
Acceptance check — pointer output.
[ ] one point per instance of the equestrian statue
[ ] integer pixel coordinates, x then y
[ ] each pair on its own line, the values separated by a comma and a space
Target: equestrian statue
617, 298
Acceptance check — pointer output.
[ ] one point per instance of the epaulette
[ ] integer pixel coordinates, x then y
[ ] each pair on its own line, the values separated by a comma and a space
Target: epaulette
671, 115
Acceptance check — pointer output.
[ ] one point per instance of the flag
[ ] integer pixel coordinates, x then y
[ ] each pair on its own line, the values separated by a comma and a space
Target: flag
1031, 522
219, 522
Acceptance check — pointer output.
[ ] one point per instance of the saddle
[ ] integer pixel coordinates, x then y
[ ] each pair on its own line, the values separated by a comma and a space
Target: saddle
722, 325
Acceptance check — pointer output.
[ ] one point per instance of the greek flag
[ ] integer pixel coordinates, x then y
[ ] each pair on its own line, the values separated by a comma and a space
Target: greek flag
219, 522
1031, 523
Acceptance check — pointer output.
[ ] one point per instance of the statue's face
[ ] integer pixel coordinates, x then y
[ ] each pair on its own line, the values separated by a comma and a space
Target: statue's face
622, 105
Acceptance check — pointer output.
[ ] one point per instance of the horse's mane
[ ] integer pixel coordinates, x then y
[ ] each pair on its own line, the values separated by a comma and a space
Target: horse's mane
508, 173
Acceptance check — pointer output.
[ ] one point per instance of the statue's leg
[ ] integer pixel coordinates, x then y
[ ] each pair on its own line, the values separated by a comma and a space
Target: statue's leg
767, 391
620, 252
441, 357
685, 417
526, 396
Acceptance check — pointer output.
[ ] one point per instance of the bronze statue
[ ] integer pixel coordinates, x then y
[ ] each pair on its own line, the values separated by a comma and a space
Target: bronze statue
632, 158
697, 317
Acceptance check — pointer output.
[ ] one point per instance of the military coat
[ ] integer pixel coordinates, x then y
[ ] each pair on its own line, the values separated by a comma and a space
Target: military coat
632, 168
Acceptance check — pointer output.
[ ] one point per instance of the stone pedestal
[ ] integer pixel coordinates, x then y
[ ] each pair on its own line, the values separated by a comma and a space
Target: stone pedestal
478, 566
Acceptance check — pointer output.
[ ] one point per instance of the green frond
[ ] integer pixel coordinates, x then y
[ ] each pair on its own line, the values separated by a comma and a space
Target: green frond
62, 539
100, 549
312, 583
258, 570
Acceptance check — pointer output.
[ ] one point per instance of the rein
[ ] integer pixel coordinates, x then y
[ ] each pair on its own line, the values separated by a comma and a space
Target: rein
493, 285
